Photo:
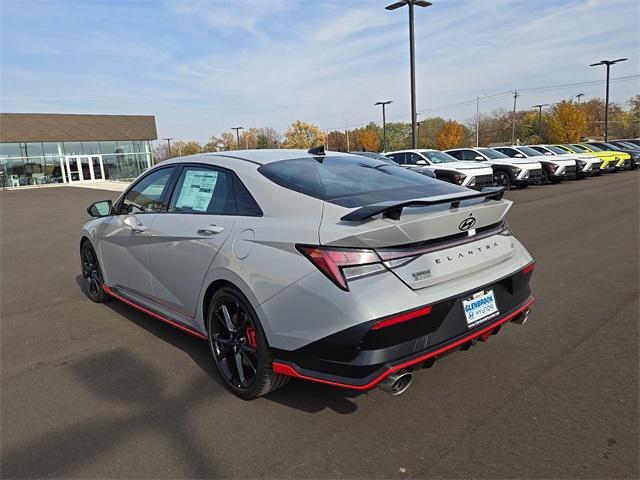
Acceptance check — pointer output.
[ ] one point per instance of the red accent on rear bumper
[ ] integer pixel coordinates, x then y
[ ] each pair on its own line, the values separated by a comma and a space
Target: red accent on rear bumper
196, 334
284, 369
403, 317
529, 268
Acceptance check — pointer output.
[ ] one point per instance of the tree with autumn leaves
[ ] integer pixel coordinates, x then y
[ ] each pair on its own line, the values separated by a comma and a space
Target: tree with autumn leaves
567, 122
450, 135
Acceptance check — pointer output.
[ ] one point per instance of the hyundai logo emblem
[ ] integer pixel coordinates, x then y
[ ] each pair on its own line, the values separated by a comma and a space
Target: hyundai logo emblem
467, 223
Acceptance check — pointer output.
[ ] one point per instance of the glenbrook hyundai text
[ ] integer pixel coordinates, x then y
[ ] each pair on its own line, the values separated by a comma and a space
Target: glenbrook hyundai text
324, 266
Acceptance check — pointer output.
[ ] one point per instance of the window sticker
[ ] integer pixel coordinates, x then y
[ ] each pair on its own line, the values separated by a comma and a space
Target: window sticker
197, 190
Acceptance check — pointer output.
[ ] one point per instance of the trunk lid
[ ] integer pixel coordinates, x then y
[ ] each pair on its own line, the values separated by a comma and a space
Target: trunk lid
427, 245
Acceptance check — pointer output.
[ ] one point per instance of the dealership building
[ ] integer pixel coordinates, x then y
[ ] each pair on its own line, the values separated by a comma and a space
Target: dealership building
45, 148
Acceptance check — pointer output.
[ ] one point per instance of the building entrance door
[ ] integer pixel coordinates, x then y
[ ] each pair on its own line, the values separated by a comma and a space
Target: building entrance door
84, 168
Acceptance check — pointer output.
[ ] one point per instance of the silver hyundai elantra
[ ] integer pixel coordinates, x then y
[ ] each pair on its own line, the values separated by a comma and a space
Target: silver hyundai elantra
325, 266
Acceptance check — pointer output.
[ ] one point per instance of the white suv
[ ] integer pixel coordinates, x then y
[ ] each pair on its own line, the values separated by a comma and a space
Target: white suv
554, 169
507, 171
586, 164
474, 175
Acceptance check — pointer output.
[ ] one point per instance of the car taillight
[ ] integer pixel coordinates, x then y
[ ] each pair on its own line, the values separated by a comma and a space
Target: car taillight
342, 264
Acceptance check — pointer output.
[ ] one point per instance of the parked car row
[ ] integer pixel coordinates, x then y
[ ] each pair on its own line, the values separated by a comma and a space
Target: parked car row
520, 165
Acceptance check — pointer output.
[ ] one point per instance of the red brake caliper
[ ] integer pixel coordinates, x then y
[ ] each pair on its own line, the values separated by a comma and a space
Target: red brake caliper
250, 334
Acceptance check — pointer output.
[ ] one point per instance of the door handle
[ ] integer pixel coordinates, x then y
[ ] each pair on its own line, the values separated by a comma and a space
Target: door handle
210, 230
133, 224
139, 228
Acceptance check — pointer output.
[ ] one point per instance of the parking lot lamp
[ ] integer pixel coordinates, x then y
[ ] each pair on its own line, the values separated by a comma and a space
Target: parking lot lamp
608, 63
579, 96
412, 54
169, 145
384, 123
237, 129
539, 107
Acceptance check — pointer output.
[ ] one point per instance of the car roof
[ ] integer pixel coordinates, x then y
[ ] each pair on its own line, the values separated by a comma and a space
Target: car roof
258, 156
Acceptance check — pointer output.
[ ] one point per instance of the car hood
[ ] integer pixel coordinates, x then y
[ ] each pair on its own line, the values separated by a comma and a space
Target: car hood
526, 163
462, 165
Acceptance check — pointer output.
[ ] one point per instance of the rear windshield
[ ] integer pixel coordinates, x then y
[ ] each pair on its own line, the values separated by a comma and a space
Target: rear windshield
354, 181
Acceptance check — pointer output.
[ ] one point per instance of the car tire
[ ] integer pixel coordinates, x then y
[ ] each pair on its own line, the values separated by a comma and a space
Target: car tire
501, 179
92, 279
239, 346
545, 177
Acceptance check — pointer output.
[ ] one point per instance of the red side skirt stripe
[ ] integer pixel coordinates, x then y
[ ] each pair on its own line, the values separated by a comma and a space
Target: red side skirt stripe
196, 334
285, 369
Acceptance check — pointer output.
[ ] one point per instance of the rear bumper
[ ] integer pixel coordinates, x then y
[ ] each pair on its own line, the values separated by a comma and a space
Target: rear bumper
360, 357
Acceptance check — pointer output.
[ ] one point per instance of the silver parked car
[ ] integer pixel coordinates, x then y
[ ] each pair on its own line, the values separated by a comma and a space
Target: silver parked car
325, 266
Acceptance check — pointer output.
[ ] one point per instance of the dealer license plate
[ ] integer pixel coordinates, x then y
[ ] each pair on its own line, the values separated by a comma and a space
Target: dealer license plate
480, 307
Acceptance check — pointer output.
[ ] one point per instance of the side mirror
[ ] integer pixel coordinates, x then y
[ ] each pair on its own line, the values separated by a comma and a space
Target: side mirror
548, 153
519, 155
100, 209
479, 158
422, 162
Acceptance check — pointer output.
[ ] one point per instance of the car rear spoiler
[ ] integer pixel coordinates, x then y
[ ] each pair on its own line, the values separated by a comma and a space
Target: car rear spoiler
393, 210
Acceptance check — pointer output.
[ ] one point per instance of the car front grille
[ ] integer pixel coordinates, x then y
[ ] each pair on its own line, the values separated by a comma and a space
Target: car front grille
484, 181
570, 170
535, 174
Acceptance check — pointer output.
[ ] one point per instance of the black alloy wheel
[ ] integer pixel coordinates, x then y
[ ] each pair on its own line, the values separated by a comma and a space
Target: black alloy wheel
501, 179
92, 280
239, 346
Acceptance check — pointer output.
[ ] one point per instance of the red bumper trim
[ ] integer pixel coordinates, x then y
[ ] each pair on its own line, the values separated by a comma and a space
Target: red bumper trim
185, 329
285, 369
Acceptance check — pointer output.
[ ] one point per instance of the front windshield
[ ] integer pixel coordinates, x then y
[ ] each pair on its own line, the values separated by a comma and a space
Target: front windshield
609, 146
530, 152
438, 157
491, 153
555, 149
628, 145
592, 147
578, 148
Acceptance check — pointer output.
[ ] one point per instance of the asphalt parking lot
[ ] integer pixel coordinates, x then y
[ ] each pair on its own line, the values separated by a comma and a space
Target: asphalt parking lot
102, 391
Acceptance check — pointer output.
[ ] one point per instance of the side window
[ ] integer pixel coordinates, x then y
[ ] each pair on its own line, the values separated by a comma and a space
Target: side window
509, 152
146, 195
539, 149
397, 157
203, 190
455, 154
245, 203
469, 155
412, 158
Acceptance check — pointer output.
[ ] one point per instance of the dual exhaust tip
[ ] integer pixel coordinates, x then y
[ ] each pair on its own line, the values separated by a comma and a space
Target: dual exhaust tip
397, 383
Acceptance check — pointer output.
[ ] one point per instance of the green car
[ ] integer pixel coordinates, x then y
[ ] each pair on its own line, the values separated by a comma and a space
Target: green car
609, 161
623, 159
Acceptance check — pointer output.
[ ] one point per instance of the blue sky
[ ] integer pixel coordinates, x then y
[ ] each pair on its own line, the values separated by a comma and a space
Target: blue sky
204, 66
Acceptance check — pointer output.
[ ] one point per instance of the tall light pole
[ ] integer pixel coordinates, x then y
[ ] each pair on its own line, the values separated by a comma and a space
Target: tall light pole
412, 54
169, 145
608, 63
384, 123
513, 118
478, 120
579, 96
237, 129
539, 107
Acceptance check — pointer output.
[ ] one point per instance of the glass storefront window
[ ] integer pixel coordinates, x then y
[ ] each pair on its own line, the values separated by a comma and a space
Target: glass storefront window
10, 150
126, 147
108, 147
72, 148
33, 149
90, 147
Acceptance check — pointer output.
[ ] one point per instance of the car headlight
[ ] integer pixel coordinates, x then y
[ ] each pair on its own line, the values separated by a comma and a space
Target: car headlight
554, 167
459, 178
516, 171
580, 163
